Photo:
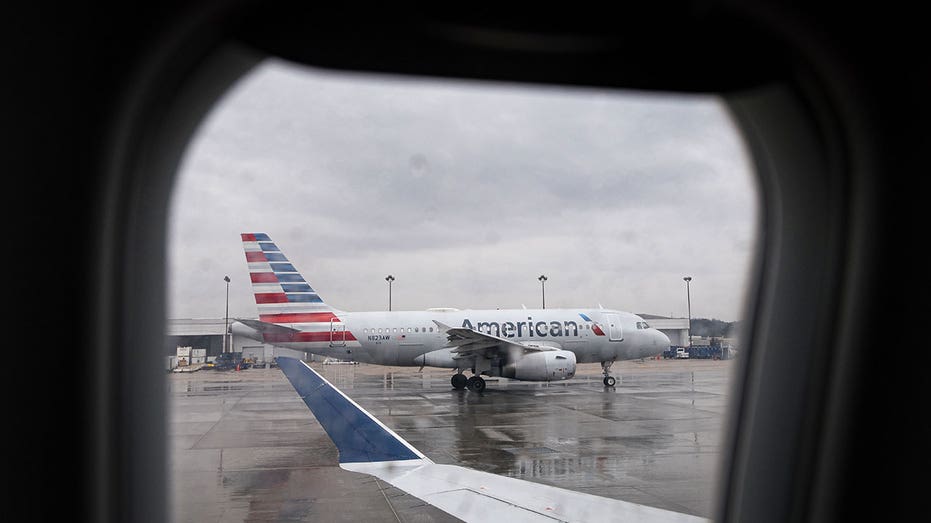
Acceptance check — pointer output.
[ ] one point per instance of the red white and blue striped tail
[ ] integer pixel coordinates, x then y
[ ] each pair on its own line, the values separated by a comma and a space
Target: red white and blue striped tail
282, 295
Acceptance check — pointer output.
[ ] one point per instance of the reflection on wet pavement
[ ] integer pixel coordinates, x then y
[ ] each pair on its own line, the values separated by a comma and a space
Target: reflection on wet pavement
245, 447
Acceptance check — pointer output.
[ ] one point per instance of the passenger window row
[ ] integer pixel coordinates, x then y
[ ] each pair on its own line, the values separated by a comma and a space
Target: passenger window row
395, 330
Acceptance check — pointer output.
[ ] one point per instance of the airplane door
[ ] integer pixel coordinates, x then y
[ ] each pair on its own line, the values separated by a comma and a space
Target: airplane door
337, 334
613, 322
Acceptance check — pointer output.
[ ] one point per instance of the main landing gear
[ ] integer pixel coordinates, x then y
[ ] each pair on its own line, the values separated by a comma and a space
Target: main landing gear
608, 380
475, 383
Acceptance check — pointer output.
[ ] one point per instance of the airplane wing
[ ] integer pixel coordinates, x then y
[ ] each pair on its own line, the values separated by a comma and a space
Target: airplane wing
469, 342
366, 445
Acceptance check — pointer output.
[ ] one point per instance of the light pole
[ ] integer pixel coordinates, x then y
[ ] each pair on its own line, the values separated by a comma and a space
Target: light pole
389, 279
543, 279
689, 300
226, 327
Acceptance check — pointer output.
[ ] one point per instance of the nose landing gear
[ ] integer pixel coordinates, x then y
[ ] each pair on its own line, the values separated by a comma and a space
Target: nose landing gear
608, 380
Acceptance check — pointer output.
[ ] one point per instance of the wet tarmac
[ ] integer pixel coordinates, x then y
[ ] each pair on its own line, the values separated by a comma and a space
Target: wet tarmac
244, 447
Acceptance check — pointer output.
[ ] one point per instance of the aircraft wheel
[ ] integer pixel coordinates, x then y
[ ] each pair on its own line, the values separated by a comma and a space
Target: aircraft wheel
478, 385
609, 381
458, 381
470, 382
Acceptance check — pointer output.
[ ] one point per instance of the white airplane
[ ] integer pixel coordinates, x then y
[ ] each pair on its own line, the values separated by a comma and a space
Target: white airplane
520, 344
367, 446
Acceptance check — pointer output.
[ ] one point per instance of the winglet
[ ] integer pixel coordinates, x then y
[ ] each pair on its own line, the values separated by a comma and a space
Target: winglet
443, 327
358, 435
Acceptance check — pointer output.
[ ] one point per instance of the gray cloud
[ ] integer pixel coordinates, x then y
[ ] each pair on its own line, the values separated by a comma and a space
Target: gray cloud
466, 192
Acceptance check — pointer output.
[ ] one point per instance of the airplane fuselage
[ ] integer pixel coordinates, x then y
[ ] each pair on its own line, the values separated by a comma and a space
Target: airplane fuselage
523, 344
403, 338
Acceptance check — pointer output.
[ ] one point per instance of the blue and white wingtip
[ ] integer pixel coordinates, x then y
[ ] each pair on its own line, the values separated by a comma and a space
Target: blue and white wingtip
359, 436
366, 445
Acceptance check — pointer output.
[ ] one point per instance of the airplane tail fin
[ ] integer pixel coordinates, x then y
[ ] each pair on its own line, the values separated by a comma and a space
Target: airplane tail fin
281, 293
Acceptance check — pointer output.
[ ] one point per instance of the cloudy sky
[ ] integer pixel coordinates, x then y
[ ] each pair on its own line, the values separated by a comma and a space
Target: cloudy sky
466, 193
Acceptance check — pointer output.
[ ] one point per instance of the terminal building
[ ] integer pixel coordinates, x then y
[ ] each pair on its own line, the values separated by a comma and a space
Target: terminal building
207, 334
676, 329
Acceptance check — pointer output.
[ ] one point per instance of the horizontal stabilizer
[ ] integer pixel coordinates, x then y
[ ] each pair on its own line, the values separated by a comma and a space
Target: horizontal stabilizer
271, 328
358, 435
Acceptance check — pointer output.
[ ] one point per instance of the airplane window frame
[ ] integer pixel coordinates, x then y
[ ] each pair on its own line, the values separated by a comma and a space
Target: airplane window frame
808, 168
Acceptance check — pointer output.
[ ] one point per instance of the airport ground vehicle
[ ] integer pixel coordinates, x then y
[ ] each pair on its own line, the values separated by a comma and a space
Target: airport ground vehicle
700, 352
231, 360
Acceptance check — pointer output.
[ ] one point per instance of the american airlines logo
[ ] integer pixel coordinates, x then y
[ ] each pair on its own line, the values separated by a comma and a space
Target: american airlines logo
510, 329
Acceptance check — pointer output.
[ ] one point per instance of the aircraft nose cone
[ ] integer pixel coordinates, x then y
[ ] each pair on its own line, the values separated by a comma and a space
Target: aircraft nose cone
662, 339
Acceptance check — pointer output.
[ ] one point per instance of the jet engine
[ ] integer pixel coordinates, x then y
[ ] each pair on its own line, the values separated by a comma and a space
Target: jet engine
550, 365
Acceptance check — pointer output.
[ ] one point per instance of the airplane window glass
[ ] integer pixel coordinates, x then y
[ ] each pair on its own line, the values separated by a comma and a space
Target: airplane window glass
297, 185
